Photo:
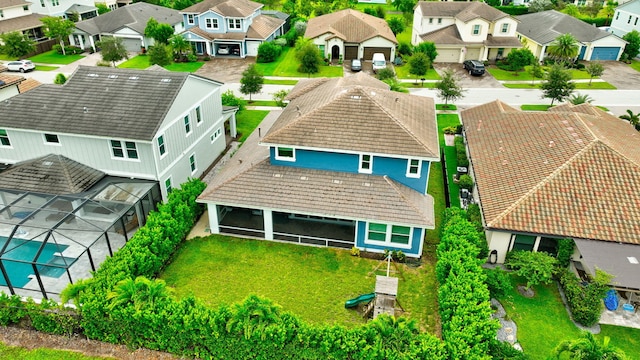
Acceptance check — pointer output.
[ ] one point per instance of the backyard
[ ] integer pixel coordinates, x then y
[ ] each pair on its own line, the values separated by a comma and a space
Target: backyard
142, 62
287, 66
52, 57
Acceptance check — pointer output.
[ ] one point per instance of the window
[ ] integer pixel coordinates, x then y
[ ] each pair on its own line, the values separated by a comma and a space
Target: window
4, 138
234, 23
548, 245
505, 28
190, 19
215, 135
617, 15
161, 146
198, 115
51, 139
439, 21
476, 29
500, 53
391, 234
286, 154
582, 2
413, 168
42, 3
167, 186
211, 23
365, 163
192, 163
524, 242
132, 152
430, 20
25, 8
55, 2
129, 150
1, 14
187, 124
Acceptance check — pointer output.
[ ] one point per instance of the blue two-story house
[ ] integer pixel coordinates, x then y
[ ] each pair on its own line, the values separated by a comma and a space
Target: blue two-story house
229, 27
345, 164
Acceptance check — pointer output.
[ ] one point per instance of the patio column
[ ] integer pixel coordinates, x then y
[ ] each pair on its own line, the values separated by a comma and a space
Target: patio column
214, 227
232, 125
268, 224
537, 243
485, 54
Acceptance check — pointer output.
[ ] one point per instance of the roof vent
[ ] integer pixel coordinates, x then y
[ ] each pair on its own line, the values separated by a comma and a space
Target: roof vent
304, 178
47, 163
93, 75
165, 80
504, 162
85, 109
541, 125
373, 93
551, 144
397, 99
632, 260
336, 181
133, 78
277, 175
113, 76
367, 184
356, 97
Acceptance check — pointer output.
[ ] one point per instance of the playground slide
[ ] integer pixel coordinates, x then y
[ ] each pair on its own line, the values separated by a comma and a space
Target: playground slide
364, 298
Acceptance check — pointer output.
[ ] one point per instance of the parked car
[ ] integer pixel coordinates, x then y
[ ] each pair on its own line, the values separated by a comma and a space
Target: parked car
474, 67
379, 62
21, 65
356, 65
224, 50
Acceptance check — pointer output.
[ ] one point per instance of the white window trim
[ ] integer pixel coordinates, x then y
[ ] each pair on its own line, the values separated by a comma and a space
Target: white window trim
184, 124
195, 163
215, 135
199, 107
417, 175
360, 160
191, 19
10, 146
44, 138
473, 30
387, 242
165, 185
285, 158
233, 21
164, 143
126, 157
505, 28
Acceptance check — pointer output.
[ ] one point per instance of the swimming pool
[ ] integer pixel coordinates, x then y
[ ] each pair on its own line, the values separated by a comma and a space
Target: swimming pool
52, 264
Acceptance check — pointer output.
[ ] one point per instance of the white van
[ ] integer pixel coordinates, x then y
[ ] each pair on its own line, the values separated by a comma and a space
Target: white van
379, 62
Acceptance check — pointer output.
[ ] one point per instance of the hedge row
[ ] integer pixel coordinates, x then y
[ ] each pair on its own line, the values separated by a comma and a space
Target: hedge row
585, 299
463, 297
513, 10
461, 152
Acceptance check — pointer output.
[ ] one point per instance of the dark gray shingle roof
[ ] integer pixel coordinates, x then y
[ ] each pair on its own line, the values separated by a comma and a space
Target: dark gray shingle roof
134, 16
545, 26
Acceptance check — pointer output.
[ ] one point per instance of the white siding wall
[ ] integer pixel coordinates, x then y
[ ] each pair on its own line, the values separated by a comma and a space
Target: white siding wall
497, 27
466, 30
499, 241
8, 92
621, 23
378, 41
14, 12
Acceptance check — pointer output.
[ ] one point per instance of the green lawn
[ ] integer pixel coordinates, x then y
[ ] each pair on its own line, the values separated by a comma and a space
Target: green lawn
402, 72
446, 120
543, 322
635, 65
14, 352
260, 103
280, 82
185, 66
504, 75
136, 62
535, 107
52, 57
601, 85
46, 68
419, 85
7, 57
309, 281
387, 7
248, 120
287, 65
446, 107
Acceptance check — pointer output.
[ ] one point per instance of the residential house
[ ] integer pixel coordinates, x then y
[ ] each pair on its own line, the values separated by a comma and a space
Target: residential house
351, 34
65, 8
152, 125
346, 164
127, 23
16, 15
625, 18
229, 27
114, 4
539, 30
464, 30
9, 85
570, 172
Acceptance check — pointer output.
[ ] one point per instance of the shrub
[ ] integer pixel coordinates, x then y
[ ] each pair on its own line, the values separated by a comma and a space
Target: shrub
536, 267
513, 10
291, 36
405, 49
585, 301
11, 309
466, 182
60, 79
268, 52
498, 282
103, 63
461, 152
565, 251
449, 130
386, 73
69, 50
280, 42
230, 99
192, 57
279, 96
355, 251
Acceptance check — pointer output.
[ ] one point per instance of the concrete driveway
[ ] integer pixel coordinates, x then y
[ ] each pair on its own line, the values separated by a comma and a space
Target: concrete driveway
621, 75
466, 80
226, 70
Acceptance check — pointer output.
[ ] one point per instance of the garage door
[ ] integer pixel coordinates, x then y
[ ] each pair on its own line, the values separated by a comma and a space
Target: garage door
252, 48
472, 54
369, 51
132, 45
350, 52
605, 53
448, 55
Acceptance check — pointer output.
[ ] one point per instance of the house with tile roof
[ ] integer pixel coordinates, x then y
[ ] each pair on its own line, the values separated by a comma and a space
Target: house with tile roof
127, 23
570, 172
9, 85
16, 15
539, 30
152, 125
345, 164
625, 18
351, 34
229, 27
464, 30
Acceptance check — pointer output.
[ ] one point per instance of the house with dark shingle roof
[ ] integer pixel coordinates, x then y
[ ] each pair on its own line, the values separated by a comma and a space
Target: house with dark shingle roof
352, 34
464, 30
570, 172
229, 27
127, 23
345, 164
539, 30
152, 125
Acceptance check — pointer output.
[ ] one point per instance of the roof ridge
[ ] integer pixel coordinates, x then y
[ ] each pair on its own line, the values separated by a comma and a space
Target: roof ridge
397, 189
65, 170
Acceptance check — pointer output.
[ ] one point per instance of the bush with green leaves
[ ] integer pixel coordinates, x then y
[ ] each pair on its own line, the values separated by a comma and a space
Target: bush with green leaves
12, 309
268, 52
230, 99
536, 267
565, 251
60, 79
385, 74
585, 300
465, 182
498, 282
461, 152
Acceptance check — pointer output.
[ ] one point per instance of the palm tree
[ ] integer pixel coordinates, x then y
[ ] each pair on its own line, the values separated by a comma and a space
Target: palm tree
394, 334
255, 314
181, 47
577, 99
564, 48
140, 292
633, 119
586, 347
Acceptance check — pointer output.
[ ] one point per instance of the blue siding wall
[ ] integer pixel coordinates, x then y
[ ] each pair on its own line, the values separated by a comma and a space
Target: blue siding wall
203, 23
361, 234
395, 168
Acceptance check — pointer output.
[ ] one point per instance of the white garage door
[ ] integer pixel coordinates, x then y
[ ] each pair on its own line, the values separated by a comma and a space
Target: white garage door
472, 54
448, 55
132, 45
252, 48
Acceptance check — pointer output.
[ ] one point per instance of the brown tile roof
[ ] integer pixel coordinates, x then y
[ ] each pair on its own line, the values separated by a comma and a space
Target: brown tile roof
28, 84
228, 8
464, 11
263, 26
11, 3
503, 41
21, 23
358, 113
446, 36
571, 172
349, 25
9, 80
213, 36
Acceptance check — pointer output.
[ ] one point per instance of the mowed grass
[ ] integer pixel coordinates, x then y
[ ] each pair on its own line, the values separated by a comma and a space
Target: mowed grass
142, 62
312, 282
248, 120
14, 352
136, 62
446, 120
402, 72
543, 323
600, 85
46, 68
280, 82
504, 75
635, 65
52, 57
287, 65
185, 66
533, 107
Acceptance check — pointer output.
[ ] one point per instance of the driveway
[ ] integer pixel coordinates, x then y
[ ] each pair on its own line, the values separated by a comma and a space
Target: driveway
466, 80
226, 70
621, 75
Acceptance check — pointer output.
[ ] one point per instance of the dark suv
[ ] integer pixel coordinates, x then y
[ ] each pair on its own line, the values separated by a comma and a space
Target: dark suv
474, 67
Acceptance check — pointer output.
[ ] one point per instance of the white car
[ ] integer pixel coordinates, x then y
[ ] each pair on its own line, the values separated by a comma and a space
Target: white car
223, 50
21, 65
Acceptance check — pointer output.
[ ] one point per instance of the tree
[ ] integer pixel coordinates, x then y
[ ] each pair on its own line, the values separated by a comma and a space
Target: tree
633, 119
594, 69
593, 8
419, 65
253, 315
15, 44
113, 49
557, 84
160, 32
494, 3
519, 58
279, 97
396, 25
536, 71
251, 81
448, 87
536, 267
564, 48
406, 6
309, 56
139, 292
159, 54
571, 10
540, 5
102, 8
633, 46
577, 99
57, 28
60, 79
181, 47
587, 347
429, 49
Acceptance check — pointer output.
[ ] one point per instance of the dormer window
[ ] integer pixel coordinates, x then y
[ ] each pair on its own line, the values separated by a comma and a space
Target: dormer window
439, 21
234, 24
366, 163
285, 154
190, 19
211, 23
476, 29
505, 28
51, 139
413, 168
